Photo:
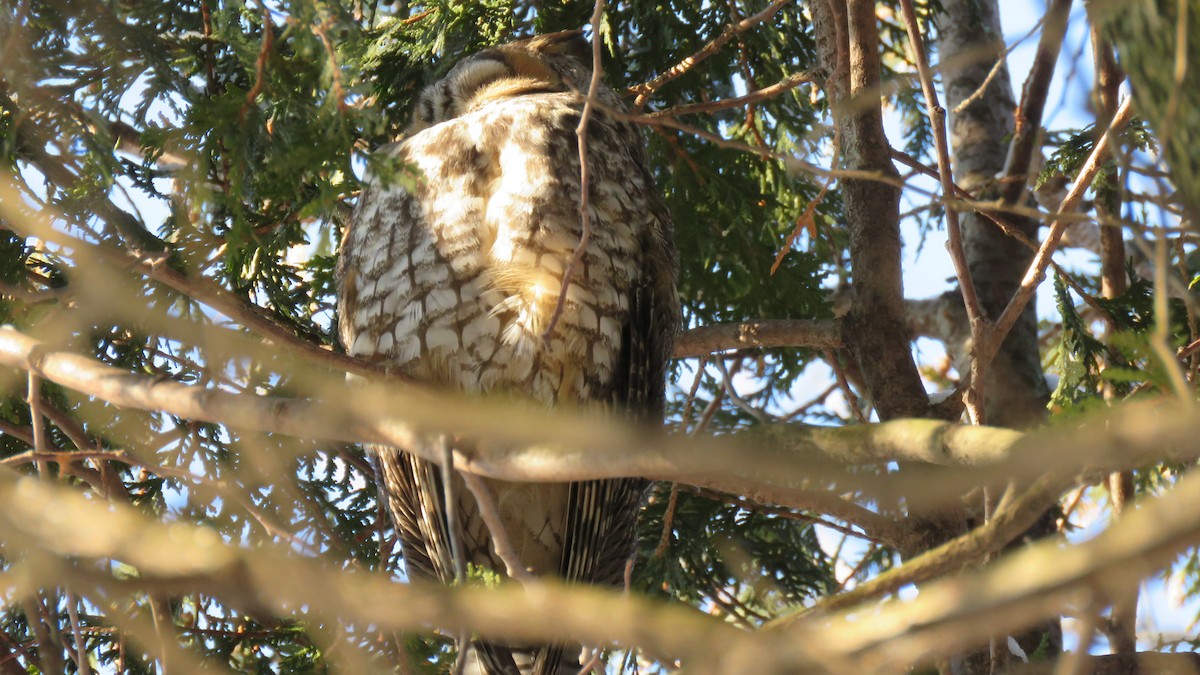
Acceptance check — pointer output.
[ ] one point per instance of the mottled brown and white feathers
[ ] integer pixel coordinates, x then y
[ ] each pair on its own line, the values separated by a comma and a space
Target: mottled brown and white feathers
454, 283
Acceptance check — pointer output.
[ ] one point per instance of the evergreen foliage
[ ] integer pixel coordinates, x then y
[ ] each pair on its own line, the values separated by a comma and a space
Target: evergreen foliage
224, 143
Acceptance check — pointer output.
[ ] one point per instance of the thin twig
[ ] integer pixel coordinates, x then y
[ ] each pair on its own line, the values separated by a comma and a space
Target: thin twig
1000, 62
1037, 268
321, 30
1179, 72
807, 219
990, 537
501, 543
453, 532
844, 385
668, 522
20, 433
1033, 101
1160, 336
647, 89
784, 512
803, 408
751, 80
704, 340
688, 402
81, 655
197, 287
736, 398
1073, 499
967, 199
36, 422
786, 84
937, 118
859, 566
260, 64
790, 163
585, 215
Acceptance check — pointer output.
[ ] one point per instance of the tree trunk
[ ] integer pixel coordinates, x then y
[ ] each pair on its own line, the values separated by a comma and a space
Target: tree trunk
1015, 387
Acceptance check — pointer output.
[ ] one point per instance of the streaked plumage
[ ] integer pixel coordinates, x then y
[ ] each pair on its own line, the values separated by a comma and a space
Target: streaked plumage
455, 282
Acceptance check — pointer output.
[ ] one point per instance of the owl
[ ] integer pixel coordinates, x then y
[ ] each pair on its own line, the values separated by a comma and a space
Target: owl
455, 280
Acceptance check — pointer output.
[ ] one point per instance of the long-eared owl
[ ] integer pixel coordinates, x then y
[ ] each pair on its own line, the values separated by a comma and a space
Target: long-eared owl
454, 280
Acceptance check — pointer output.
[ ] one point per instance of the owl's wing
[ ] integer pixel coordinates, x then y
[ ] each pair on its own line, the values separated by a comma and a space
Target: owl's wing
602, 514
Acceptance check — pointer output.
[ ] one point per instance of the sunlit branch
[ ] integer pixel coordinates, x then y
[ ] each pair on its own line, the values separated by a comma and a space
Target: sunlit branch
1037, 269
814, 334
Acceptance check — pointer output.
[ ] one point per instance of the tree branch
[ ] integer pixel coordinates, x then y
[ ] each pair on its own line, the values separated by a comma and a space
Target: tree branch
647, 89
786, 84
1028, 130
1007, 524
1037, 269
186, 558
814, 334
960, 612
514, 442
848, 44
937, 119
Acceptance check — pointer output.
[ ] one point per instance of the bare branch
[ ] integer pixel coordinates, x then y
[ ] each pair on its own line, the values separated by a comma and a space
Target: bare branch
937, 118
270, 580
959, 612
786, 84
585, 213
815, 334
501, 543
1006, 524
1037, 269
647, 89
513, 442
1033, 101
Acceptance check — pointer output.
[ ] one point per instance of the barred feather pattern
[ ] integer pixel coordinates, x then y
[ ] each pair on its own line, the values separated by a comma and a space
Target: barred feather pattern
454, 279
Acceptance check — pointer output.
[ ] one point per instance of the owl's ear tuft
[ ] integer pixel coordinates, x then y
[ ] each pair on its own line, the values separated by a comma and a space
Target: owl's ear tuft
563, 43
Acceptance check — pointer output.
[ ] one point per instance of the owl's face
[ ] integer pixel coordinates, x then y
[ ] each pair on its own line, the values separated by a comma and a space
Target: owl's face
541, 64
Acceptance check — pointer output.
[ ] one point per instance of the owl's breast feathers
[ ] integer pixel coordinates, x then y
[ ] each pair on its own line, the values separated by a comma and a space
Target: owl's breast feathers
456, 281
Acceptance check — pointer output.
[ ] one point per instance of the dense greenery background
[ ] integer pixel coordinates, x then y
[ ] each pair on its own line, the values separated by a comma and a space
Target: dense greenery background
226, 141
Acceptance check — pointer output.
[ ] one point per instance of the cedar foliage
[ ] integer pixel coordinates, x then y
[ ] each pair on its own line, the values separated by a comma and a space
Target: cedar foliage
226, 141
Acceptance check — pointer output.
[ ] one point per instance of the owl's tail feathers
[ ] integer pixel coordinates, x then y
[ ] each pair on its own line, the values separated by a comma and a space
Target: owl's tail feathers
491, 659
555, 660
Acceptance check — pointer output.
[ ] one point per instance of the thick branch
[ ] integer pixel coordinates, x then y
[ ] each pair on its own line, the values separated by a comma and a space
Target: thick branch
517, 443
1018, 591
38, 517
848, 44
